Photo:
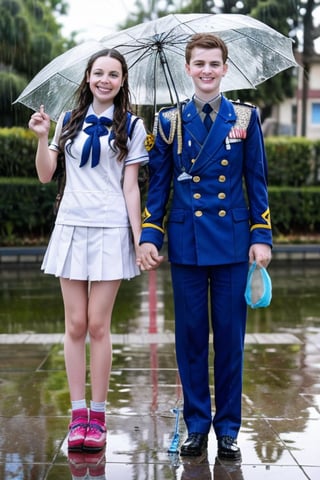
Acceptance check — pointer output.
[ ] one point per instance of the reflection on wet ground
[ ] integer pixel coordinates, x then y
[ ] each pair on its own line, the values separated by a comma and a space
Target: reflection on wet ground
281, 394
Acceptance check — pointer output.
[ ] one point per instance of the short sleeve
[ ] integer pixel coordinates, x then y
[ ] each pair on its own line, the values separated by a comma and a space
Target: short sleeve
137, 151
54, 144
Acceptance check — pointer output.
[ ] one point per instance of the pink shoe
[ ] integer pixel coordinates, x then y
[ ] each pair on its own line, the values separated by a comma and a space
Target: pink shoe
96, 462
96, 436
77, 432
77, 464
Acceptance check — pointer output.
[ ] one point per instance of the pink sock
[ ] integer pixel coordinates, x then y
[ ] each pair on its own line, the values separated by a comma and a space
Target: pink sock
79, 412
97, 416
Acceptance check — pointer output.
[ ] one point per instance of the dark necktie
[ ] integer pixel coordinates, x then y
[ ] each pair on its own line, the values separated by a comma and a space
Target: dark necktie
96, 130
207, 109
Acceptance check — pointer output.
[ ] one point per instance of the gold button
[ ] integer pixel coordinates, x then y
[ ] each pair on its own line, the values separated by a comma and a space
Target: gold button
222, 178
196, 179
221, 195
222, 213
224, 162
196, 196
198, 213
193, 160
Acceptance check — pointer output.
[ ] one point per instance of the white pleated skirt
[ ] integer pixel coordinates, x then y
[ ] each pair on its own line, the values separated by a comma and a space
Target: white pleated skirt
90, 253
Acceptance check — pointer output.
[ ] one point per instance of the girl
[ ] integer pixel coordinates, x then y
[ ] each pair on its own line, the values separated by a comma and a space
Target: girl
96, 235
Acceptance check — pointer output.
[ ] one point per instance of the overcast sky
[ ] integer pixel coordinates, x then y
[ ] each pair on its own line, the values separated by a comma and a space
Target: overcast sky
95, 18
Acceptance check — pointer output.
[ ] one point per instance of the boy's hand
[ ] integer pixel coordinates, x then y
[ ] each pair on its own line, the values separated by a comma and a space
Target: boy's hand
148, 257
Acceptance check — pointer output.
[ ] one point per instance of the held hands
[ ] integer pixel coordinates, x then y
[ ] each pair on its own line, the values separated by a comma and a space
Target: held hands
260, 253
39, 123
148, 257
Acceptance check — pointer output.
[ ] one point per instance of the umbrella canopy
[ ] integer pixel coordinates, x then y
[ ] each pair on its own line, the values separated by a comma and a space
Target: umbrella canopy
54, 86
155, 53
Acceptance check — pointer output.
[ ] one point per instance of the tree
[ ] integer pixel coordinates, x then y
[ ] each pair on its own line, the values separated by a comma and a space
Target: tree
29, 38
289, 17
149, 10
292, 18
276, 15
310, 33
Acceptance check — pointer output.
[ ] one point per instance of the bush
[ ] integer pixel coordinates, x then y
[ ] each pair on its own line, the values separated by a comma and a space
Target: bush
316, 179
295, 210
26, 209
17, 152
26, 204
291, 161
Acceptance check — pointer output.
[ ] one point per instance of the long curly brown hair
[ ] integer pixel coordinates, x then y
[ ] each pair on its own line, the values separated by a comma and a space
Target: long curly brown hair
84, 98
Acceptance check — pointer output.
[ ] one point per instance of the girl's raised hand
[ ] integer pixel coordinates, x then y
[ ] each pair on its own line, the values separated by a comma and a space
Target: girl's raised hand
39, 122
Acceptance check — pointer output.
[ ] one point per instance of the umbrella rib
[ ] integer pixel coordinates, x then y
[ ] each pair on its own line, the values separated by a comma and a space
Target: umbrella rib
258, 42
67, 78
158, 48
145, 52
241, 72
140, 58
262, 45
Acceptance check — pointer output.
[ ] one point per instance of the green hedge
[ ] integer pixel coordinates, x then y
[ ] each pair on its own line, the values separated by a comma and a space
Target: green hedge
26, 204
17, 152
295, 210
292, 161
26, 209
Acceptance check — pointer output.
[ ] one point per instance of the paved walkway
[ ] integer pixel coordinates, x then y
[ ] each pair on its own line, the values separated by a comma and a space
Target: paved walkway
279, 437
281, 412
143, 339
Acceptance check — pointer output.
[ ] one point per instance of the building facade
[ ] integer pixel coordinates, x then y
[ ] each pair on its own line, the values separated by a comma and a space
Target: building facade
289, 117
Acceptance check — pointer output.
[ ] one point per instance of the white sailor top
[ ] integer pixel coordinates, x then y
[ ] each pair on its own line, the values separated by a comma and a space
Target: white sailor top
93, 197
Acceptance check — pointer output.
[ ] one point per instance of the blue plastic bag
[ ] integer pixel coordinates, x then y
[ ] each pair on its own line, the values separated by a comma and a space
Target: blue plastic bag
258, 291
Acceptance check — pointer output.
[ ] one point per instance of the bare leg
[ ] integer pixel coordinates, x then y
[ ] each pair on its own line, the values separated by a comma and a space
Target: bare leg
75, 298
101, 301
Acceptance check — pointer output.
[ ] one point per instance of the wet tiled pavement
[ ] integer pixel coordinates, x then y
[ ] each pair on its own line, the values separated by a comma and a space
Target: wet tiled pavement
279, 437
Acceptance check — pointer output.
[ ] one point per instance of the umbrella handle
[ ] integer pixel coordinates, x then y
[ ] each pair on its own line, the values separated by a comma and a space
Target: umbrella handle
166, 69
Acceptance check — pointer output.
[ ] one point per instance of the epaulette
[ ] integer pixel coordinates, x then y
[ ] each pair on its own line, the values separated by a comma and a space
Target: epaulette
168, 111
246, 104
243, 112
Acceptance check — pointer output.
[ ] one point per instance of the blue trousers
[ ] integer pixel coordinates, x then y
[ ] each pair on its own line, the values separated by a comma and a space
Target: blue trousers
201, 295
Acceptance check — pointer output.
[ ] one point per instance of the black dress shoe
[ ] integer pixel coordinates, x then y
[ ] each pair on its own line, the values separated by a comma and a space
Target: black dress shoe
195, 444
228, 448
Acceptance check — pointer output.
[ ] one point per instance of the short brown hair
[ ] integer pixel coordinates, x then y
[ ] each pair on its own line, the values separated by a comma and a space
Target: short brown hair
206, 40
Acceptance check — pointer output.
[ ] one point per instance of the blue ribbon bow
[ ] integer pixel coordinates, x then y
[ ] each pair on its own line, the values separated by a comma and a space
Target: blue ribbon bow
96, 130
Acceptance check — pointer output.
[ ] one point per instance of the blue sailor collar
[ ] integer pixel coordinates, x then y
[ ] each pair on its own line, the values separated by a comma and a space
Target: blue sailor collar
108, 112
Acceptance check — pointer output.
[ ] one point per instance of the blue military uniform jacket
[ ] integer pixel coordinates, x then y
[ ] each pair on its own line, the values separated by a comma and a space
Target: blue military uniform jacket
219, 202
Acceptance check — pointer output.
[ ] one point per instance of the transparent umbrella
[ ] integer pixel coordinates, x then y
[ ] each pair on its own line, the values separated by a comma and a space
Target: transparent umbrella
155, 52
55, 85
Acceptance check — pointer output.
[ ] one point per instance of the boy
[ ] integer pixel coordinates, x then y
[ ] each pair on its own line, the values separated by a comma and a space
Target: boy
212, 234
